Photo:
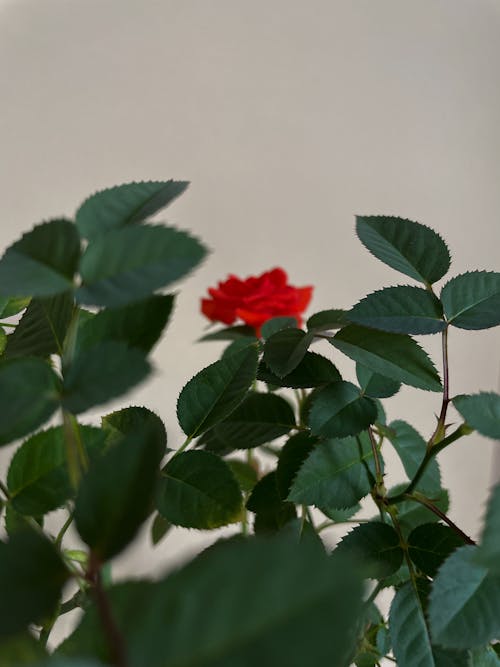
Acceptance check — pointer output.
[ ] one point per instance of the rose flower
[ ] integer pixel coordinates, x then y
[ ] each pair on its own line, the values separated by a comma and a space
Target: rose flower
256, 299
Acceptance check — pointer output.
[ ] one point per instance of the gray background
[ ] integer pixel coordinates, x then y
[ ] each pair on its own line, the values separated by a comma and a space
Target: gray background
288, 118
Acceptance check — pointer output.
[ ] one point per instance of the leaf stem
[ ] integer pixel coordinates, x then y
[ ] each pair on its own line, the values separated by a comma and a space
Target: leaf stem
63, 530
184, 446
75, 451
419, 498
4, 490
440, 427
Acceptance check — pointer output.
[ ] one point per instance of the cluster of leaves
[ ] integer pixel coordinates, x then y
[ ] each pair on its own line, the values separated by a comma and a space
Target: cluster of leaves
272, 593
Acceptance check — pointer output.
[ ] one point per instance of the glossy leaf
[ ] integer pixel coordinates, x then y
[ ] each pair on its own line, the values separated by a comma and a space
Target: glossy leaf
285, 349
30, 394
128, 264
126, 204
401, 309
313, 370
404, 245
489, 552
376, 545
472, 300
213, 393
198, 490
43, 261
396, 356
481, 412
375, 385
411, 643
293, 454
339, 410
411, 449
430, 544
327, 320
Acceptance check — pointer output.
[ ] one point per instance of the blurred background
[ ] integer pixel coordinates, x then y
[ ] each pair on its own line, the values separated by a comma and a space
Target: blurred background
288, 118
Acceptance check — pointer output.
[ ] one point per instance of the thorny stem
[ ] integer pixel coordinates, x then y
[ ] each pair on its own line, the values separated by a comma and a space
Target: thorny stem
378, 468
440, 427
427, 503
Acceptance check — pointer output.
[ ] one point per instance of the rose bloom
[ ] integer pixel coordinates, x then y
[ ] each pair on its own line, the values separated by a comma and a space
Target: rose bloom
256, 299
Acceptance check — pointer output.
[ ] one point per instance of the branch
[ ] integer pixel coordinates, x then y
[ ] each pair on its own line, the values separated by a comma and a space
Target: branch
427, 503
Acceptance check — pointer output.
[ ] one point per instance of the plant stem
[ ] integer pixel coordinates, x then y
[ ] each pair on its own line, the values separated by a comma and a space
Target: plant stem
4, 490
75, 451
427, 503
184, 446
440, 427
379, 477
63, 530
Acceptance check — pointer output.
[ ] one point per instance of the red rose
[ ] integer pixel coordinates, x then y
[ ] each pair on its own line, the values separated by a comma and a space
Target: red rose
256, 299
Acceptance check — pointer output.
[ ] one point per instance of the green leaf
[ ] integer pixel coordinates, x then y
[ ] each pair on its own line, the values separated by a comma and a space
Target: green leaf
278, 605
375, 385
336, 474
401, 309
339, 516
42, 328
10, 307
376, 545
32, 575
327, 320
489, 551
3, 340
464, 609
199, 490
213, 393
409, 633
126, 204
411, 449
430, 544
116, 494
258, 419
271, 512
102, 372
481, 412
240, 344
128, 264
131, 419
21, 649
404, 245
285, 349
339, 410
275, 324
230, 333
313, 370
43, 262
396, 356
30, 394
245, 474
138, 325
412, 514
472, 300
15, 522
293, 454
38, 479
159, 529
484, 657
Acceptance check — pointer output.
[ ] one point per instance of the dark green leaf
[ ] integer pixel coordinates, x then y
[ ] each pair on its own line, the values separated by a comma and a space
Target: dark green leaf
30, 393
411, 449
42, 328
126, 204
239, 344
246, 474
21, 649
401, 309
43, 262
327, 320
484, 657
293, 454
230, 333
10, 307
199, 490
159, 529
339, 516
32, 575
376, 545
339, 410
210, 443
464, 609
128, 264
259, 419
411, 643
275, 324
3, 340
336, 474
271, 512
412, 514
285, 349
396, 356
102, 372
481, 411
430, 544
15, 522
116, 494
129, 420
472, 300
404, 245
313, 370
213, 393
447, 657
376, 385
38, 478
489, 551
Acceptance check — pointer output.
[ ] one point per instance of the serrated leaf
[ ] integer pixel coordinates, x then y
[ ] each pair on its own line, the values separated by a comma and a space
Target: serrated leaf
271, 512
375, 385
38, 478
42, 328
101, 373
13, 306
293, 454
404, 245
285, 349
198, 490
401, 309
411, 449
339, 410
276, 324
30, 392
481, 412
240, 344
43, 262
260, 418
32, 575
464, 608
377, 545
489, 551
128, 420
313, 370
126, 204
327, 320
409, 633
396, 356
337, 474
229, 333
340, 516
292, 617
128, 264
116, 494
213, 393
430, 544
472, 300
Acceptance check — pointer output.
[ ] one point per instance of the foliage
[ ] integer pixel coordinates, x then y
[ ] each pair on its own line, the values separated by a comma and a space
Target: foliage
279, 447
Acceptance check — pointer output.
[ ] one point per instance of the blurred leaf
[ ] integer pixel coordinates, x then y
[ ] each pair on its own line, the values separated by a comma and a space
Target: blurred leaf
15, 522
472, 300
245, 474
229, 333
271, 512
293, 454
131, 419
411, 449
21, 649
489, 551
159, 529
12, 306
411, 642
327, 320
275, 324
313, 370
339, 410
484, 657
481, 412
376, 545
285, 349
430, 544
375, 385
